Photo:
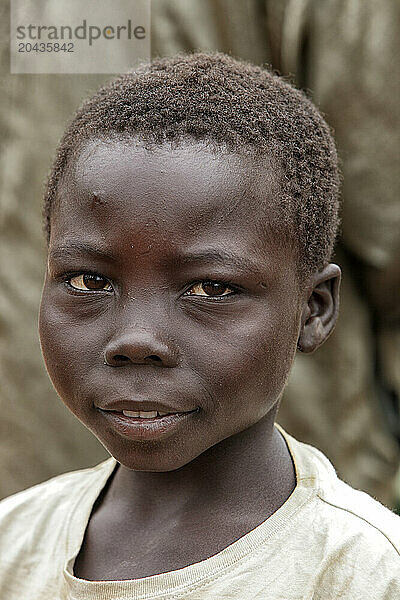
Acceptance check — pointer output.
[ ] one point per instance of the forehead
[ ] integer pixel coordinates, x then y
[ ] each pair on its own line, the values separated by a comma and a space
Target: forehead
184, 192
111, 163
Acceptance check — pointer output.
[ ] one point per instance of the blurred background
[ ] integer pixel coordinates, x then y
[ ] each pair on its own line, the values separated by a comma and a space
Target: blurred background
344, 399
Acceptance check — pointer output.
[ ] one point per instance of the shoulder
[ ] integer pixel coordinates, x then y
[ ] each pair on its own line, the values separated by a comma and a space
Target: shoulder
354, 539
353, 511
44, 506
52, 490
36, 528
361, 540
363, 535
344, 513
359, 512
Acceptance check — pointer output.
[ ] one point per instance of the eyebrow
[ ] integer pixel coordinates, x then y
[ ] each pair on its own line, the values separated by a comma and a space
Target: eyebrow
76, 247
222, 257
208, 255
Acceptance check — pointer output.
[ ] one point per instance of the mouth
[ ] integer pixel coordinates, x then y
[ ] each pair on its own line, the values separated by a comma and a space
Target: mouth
146, 424
147, 414
145, 409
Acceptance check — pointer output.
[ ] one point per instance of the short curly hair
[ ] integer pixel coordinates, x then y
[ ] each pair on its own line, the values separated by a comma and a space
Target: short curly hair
232, 104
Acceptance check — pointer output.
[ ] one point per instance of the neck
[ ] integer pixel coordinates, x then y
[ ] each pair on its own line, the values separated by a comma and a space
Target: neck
250, 471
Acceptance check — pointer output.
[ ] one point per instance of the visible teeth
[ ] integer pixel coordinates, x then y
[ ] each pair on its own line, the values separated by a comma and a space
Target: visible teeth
143, 414
130, 413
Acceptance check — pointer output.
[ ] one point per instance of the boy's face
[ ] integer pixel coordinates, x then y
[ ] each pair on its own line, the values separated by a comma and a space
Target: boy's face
166, 292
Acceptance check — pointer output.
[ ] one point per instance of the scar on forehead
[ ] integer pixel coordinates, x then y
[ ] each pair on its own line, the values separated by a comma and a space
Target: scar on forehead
96, 201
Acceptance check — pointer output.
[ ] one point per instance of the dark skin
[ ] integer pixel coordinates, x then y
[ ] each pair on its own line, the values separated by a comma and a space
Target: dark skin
170, 316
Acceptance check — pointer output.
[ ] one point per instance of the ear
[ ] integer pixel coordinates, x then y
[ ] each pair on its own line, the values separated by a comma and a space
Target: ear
321, 310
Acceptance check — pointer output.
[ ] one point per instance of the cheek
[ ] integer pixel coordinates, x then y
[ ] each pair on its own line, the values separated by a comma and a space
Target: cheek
249, 359
69, 347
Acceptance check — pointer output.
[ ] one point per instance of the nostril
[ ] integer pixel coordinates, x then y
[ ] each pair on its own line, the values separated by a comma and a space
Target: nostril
121, 358
138, 347
153, 357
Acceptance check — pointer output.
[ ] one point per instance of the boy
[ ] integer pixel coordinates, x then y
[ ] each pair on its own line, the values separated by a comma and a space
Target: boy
191, 214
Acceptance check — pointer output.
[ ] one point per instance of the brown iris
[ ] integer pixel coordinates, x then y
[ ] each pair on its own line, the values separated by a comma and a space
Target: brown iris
94, 282
90, 281
210, 288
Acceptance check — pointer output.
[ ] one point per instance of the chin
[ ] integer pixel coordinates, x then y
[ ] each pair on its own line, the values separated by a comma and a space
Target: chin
152, 464
151, 457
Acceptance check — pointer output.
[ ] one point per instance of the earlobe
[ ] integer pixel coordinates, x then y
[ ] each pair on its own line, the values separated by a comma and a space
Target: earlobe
321, 310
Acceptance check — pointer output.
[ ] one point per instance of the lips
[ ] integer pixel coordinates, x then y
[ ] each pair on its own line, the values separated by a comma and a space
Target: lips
147, 427
144, 407
143, 414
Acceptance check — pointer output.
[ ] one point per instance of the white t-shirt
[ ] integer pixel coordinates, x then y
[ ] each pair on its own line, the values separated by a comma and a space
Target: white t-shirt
327, 542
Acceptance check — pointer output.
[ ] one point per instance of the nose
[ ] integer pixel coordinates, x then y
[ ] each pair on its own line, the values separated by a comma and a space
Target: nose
139, 346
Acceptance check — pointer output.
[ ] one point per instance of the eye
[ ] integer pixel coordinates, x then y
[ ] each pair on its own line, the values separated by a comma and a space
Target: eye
210, 289
89, 282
